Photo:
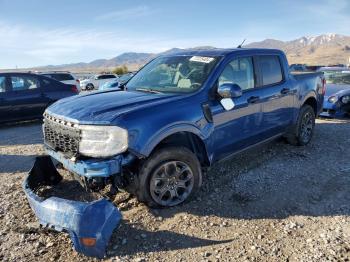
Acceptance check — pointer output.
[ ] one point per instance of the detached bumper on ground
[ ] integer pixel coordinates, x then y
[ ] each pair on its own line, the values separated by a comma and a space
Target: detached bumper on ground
89, 224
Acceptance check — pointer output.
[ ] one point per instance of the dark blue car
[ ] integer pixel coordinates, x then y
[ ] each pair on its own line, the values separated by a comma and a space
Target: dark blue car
337, 97
25, 96
177, 116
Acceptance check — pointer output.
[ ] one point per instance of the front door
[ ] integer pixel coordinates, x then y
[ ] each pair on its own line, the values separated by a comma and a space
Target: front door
239, 127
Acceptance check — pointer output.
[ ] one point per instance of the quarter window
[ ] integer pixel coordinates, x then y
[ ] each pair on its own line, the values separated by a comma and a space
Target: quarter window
270, 69
20, 83
239, 71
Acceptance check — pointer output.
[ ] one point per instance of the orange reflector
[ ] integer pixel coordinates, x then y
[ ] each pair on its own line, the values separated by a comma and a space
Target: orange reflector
88, 241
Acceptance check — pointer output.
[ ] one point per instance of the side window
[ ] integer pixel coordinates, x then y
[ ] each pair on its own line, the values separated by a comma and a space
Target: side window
271, 70
239, 71
100, 77
47, 83
2, 84
20, 83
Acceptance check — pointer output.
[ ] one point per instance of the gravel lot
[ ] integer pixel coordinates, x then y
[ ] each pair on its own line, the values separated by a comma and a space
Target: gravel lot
274, 203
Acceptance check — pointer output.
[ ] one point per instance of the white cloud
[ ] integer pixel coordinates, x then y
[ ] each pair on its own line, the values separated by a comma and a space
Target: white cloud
25, 46
130, 13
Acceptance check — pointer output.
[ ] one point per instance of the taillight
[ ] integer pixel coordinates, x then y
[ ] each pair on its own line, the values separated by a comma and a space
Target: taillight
323, 86
78, 81
75, 89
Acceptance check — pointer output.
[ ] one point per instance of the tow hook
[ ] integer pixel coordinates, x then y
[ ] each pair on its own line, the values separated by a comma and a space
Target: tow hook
89, 224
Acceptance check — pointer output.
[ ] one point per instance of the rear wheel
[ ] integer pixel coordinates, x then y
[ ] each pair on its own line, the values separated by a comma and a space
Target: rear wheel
90, 87
169, 177
302, 132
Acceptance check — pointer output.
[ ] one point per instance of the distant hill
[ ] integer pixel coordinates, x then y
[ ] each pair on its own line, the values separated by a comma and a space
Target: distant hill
324, 49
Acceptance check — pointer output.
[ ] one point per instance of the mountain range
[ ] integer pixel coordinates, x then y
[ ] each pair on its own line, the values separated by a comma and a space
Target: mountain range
318, 50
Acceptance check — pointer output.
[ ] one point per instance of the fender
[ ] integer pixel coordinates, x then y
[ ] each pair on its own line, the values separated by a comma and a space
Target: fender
310, 94
173, 129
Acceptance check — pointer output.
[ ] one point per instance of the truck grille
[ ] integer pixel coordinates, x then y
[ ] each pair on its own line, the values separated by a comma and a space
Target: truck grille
61, 135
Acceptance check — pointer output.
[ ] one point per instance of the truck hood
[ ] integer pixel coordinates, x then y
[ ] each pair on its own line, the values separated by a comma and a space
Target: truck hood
332, 90
104, 107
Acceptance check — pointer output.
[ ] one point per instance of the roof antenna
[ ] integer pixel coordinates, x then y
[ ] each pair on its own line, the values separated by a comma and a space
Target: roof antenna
240, 46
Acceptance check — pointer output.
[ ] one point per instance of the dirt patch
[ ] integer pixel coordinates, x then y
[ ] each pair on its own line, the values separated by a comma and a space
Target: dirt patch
274, 203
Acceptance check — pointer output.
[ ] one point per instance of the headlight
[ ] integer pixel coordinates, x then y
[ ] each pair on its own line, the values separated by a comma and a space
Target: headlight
102, 141
333, 99
345, 99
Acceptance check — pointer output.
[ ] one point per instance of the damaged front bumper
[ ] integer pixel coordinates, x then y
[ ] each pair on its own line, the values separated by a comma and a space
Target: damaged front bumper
89, 224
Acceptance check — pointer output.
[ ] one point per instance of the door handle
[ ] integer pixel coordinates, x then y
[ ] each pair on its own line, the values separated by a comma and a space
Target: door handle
285, 91
253, 99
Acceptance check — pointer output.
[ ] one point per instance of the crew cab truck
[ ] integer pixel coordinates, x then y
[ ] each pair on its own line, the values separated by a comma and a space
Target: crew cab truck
177, 116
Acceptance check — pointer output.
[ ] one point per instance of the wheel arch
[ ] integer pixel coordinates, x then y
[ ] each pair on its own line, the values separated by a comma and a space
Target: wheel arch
189, 138
311, 101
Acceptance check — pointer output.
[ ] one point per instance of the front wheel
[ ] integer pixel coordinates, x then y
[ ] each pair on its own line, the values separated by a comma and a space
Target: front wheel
169, 177
304, 129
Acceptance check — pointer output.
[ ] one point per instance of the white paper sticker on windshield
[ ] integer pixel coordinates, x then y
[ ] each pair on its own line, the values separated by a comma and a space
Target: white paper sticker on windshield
202, 59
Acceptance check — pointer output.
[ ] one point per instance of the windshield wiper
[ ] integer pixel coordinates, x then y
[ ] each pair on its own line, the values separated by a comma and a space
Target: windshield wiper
149, 90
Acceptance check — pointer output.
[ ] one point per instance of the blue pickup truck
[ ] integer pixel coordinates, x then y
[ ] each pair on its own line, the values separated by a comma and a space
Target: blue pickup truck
177, 116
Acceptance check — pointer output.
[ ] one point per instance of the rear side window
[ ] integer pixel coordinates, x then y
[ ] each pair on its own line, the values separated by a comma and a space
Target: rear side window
271, 70
20, 83
2, 84
60, 77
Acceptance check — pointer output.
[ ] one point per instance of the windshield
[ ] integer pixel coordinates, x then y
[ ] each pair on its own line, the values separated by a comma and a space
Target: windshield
337, 77
183, 74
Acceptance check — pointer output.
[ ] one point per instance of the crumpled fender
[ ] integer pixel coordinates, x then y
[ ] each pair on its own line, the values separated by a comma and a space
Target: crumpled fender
89, 224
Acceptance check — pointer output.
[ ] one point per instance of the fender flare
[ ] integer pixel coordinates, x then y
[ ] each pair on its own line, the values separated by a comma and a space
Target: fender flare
153, 141
311, 94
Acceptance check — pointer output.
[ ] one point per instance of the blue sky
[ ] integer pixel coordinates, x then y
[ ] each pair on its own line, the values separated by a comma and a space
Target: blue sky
38, 32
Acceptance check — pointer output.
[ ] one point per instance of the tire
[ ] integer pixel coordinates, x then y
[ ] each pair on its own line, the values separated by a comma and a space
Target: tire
170, 176
301, 134
90, 87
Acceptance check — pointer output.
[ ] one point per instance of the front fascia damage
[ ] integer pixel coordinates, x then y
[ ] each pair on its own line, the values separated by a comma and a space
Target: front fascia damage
89, 224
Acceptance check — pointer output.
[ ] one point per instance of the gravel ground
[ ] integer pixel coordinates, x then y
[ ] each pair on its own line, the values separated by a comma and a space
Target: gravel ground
274, 203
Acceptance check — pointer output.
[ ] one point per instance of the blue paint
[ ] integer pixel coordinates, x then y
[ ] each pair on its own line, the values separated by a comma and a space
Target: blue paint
149, 117
337, 109
89, 168
95, 219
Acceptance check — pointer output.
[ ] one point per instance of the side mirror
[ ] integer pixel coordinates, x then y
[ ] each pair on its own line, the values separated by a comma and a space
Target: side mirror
229, 91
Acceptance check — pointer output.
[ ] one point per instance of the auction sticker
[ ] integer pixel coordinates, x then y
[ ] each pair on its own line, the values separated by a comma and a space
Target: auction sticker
201, 59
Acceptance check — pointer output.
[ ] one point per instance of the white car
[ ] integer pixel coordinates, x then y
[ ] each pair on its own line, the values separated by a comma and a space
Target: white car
96, 81
64, 77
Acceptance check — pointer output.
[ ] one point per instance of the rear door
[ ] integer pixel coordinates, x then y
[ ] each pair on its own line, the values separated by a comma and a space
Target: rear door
277, 96
25, 96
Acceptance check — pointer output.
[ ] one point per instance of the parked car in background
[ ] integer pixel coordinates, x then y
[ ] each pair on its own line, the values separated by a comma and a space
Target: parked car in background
64, 77
179, 114
125, 78
25, 96
337, 98
95, 81
109, 85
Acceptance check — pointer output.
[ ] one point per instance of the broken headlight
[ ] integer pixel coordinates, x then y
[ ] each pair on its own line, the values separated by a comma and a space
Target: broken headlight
102, 141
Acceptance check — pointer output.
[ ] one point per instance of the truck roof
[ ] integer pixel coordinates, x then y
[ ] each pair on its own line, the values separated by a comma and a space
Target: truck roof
225, 51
